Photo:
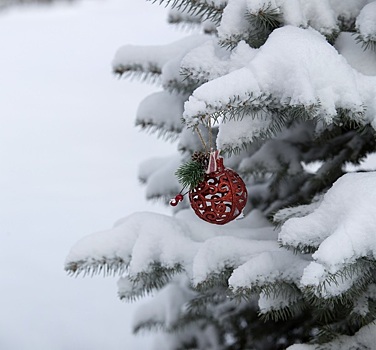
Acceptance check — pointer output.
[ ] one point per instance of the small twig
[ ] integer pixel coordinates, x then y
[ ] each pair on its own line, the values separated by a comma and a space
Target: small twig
201, 138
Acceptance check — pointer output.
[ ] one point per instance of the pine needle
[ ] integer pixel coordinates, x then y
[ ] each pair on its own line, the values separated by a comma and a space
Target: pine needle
190, 174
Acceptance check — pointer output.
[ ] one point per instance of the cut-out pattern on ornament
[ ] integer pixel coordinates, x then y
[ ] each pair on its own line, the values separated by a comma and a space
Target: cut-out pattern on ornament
220, 197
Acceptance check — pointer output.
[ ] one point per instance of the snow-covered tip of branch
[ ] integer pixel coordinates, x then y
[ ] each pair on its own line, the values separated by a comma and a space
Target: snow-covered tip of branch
287, 72
150, 60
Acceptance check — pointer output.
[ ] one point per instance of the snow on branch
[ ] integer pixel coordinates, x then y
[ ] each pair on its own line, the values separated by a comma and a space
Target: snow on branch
148, 61
344, 218
342, 230
209, 61
268, 268
151, 244
287, 72
161, 112
253, 20
366, 26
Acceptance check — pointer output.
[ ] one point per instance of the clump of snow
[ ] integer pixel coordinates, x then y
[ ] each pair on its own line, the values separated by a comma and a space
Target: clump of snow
153, 58
293, 13
163, 110
342, 228
366, 22
234, 21
143, 239
210, 61
236, 132
215, 255
321, 16
345, 219
288, 69
268, 267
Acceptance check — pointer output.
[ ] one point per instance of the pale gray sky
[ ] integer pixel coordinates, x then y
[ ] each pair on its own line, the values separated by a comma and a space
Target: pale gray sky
68, 161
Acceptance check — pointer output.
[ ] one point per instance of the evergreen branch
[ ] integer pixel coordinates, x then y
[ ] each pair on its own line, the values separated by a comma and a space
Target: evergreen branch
329, 172
132, 294
204, 9
301, 248
91, 267
206, 299
346, 24
362, 272
299, 211
277, 288
185, 20
250, 37
150, 74
194, 78
156, 277
169, 133
284, 313
261, 24
367, 42
332, 36
216, 279
190, 174
359, 321
180, 86
267, 17
149, 325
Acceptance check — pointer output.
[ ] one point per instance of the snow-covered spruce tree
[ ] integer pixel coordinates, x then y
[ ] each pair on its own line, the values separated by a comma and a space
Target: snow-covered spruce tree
284, 84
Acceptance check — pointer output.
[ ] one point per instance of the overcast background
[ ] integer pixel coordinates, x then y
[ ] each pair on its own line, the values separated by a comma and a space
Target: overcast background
68, 161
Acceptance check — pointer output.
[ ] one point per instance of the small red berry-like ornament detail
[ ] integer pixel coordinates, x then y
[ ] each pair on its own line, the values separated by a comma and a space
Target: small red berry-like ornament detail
175, 201
221, 196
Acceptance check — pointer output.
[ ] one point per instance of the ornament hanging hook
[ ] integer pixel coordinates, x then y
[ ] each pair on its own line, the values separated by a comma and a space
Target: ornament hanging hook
210, 134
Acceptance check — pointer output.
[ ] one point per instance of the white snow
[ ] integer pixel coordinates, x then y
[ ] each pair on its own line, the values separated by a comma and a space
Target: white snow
210, 61
162, 110
366, 22
236, 132
148, 238
234, 21
321, 15
342, 228
154, 58
288, 68
267, 267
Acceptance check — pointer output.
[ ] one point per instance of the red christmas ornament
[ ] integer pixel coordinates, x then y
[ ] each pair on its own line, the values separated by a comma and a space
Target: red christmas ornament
221, 196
